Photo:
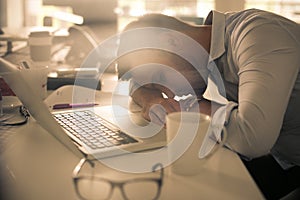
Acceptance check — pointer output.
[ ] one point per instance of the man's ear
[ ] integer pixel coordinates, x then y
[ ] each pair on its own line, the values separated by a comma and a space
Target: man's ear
172, 40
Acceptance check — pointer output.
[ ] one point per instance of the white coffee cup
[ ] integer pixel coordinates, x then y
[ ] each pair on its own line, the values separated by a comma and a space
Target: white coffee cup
40, 43
185, 134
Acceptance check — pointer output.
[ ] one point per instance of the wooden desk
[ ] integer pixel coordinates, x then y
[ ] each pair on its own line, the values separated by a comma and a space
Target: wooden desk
41, 168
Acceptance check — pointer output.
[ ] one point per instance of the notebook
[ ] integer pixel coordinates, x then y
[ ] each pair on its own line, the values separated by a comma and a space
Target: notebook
137, 133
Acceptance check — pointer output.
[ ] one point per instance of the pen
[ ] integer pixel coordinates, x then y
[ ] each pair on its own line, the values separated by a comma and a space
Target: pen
75, 105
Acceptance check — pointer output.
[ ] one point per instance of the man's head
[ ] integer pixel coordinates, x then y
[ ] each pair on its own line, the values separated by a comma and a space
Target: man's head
172, 65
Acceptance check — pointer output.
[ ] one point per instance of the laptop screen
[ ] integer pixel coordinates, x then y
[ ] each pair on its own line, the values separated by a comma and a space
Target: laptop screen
32, 101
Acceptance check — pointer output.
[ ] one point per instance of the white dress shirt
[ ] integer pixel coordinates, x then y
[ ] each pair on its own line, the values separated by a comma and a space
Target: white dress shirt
258, 56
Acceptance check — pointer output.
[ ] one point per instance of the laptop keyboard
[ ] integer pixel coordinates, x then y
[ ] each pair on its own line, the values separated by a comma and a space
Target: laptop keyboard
92, 129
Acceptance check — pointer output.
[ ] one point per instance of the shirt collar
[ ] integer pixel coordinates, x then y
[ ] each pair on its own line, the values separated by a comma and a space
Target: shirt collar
217, 20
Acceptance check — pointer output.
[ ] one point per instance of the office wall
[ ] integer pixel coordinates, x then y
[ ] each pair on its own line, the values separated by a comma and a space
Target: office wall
12, 13
3, 16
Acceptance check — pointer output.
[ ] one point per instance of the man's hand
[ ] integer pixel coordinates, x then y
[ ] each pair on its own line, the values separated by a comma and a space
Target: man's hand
157, 110
154, 105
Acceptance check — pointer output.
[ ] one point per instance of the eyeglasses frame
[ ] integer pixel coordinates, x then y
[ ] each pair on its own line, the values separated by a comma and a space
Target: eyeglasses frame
119, 184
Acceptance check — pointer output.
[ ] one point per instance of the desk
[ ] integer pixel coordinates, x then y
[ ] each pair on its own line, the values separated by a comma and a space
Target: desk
42, 169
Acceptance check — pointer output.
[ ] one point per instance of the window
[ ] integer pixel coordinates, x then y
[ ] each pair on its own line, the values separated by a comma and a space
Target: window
130, 9
287, 8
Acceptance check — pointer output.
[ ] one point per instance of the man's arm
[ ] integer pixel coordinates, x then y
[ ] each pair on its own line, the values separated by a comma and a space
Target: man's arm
268, 67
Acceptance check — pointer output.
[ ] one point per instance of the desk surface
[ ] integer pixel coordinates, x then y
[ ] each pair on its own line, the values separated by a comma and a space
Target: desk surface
41, 168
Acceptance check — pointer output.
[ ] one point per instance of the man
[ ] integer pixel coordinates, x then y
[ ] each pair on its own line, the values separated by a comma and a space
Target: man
256, 54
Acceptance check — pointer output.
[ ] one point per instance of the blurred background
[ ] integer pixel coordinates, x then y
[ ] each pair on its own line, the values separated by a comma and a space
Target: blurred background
79, 26
15, 14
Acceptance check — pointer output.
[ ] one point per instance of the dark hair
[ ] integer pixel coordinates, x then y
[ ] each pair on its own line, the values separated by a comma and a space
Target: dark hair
153, 20
158, 20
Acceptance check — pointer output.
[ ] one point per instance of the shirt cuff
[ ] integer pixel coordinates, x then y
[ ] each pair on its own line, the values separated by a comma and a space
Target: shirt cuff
229, 107
214, 132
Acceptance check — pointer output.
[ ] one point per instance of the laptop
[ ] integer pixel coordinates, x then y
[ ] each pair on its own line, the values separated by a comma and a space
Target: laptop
129, 132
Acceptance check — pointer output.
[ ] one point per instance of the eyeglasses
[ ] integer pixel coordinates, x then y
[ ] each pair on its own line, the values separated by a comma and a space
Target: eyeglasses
89, 187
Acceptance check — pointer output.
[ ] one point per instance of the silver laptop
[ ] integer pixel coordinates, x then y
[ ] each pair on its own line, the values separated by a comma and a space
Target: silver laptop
103, 131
